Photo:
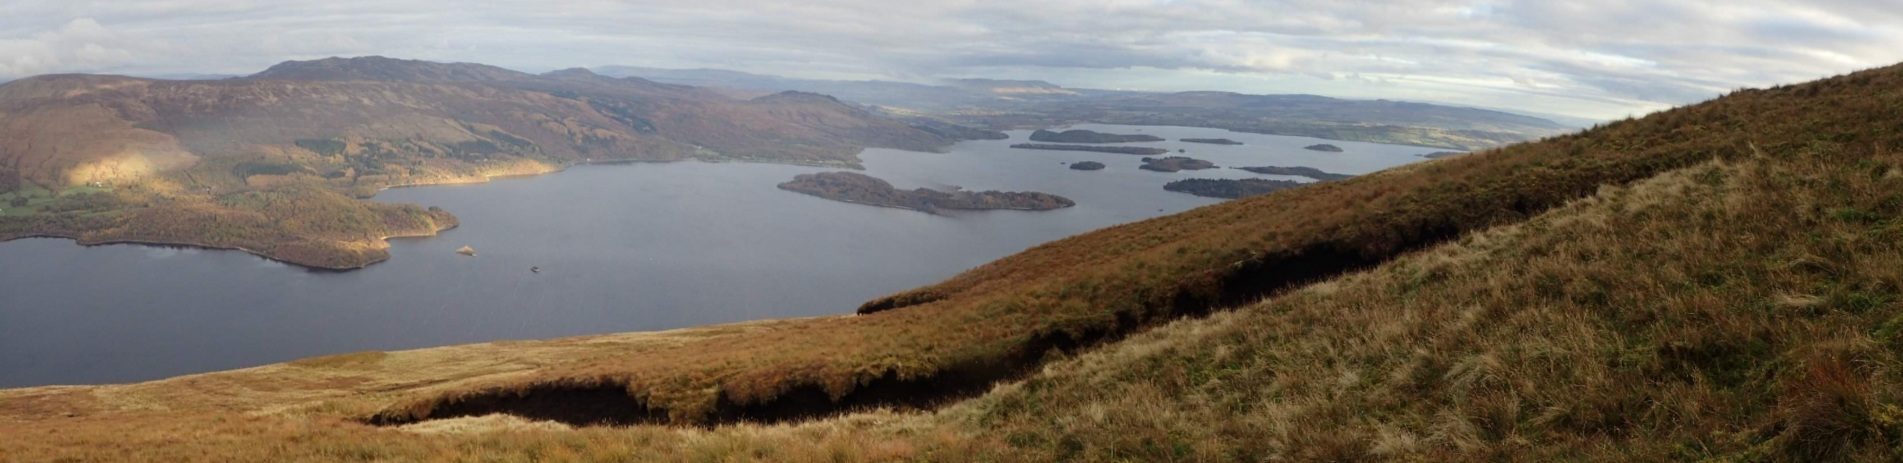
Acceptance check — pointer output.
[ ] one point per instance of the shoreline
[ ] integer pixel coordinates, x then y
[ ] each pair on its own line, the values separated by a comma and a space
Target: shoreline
631, 335
1253, 132
193, 245
933, 212
936, 212
559, 168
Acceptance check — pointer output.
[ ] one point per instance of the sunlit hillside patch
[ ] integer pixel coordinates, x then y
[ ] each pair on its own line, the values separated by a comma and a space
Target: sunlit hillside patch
353, 127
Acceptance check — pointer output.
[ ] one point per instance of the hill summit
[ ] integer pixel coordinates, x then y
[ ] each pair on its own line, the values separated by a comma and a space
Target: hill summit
378, 68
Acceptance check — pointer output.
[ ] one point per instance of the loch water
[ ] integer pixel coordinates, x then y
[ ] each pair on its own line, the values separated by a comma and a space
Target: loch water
628, 247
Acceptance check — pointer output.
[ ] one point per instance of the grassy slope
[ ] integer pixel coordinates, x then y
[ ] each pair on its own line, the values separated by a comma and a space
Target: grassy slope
1742, 311
1742, 307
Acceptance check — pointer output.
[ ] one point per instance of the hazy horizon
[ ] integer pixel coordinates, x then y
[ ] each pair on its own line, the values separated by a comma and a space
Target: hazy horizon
1584, 59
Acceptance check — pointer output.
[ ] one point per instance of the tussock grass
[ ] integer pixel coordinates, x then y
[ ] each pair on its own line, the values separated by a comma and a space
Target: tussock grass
1005, 315
1739, 302
1648, 323
341, 360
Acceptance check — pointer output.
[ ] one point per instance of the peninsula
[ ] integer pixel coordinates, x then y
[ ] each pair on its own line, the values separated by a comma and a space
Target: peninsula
1229, 188
1212, 141
1309, 172
280, 163
1089, 136
1175, 163
865, 189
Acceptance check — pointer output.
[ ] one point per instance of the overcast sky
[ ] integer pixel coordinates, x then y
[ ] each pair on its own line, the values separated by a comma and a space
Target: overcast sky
1599, 58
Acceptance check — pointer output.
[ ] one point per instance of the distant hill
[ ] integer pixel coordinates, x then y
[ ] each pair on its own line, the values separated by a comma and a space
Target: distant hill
182, 76
1382, 121
1716, 282
352, 126
377, 68
903, 97
1021, 104
1011, 87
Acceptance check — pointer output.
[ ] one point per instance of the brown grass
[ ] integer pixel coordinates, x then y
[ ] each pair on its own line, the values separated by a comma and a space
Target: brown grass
1741, 307
1643, 324
1096, 286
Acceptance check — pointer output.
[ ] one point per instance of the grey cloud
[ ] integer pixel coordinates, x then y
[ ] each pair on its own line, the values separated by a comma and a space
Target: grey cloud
1612, 55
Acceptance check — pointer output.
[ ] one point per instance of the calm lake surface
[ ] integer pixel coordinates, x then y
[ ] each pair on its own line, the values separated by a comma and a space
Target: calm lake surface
622, 248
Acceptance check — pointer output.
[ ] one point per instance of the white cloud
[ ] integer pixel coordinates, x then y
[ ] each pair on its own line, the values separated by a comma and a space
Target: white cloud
79, 43
1599, 57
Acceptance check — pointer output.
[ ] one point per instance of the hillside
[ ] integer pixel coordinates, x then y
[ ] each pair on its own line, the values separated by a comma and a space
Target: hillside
95, 157
1713, 282
1008, 104
1379, 121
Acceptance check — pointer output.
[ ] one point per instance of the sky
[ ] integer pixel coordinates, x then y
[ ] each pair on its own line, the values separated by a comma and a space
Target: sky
1598, 59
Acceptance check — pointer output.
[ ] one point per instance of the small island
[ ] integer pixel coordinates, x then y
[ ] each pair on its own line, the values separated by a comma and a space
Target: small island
1441, 154
1309, 172
1086, 165
1212, 141
1137, 150
1323, 147
1089, 136
1229, 188
864, 189
1175, 163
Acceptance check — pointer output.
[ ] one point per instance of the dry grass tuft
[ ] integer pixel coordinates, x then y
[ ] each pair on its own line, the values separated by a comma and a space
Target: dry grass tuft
341, 360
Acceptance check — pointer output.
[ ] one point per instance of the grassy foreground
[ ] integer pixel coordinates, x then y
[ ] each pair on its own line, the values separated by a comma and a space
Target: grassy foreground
1717, 282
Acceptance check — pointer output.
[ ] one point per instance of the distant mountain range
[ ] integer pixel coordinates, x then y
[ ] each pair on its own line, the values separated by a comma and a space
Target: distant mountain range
451, 112
352, 126
276, 163
951, 96
1017, 104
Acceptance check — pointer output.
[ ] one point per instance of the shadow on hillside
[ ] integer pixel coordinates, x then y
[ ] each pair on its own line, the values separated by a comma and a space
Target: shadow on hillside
608, 401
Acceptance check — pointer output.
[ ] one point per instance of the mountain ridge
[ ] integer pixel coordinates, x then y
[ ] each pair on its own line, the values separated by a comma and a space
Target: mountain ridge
387, 69
1019, 104
339, 129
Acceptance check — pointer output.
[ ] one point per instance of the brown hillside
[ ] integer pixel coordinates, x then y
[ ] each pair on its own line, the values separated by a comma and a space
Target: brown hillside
1716, 282
956, 337
355, 126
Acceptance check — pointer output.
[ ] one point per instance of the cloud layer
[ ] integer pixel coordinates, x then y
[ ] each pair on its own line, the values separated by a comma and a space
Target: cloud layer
1594, 58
